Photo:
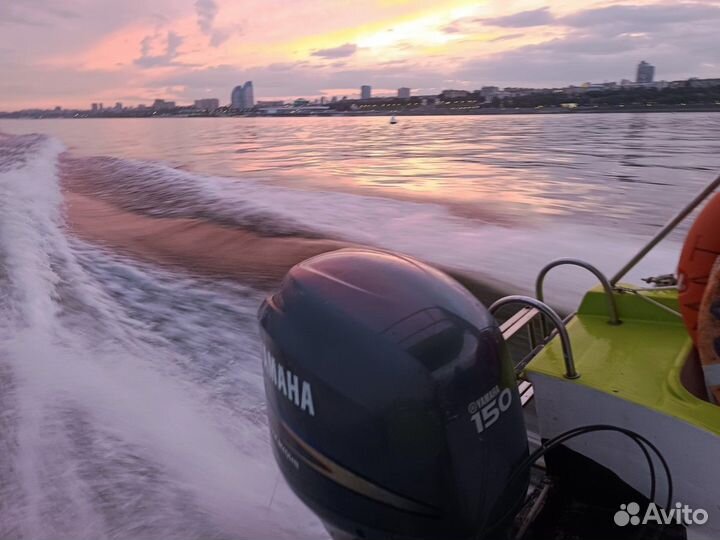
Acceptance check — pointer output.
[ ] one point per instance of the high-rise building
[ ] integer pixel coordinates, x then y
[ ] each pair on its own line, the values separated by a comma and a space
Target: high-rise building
94, 107
207, 104
489, 91
249, 95
365, 91
645, 72
242, 96
237, 98
118, 106
403, 92
454, 94
162, 105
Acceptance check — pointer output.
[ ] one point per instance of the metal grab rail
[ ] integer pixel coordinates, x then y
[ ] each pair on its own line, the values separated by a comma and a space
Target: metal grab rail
612, 304
570, 371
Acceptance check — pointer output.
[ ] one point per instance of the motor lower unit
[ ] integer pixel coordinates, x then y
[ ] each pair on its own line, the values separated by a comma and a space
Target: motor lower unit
391, 399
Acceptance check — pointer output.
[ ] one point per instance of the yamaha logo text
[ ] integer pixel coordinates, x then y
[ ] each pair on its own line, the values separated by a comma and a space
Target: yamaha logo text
297, 391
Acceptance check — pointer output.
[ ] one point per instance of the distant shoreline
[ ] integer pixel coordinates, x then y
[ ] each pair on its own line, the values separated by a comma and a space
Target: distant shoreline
578, 110
508, 111
425, 112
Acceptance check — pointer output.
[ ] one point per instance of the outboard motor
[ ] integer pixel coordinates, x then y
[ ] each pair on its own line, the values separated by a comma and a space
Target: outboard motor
392, 403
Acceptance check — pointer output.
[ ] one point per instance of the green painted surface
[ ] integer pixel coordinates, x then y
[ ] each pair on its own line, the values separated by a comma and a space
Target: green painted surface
639, 361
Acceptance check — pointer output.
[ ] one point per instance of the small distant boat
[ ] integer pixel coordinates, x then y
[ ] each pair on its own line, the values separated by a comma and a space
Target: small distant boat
393, 120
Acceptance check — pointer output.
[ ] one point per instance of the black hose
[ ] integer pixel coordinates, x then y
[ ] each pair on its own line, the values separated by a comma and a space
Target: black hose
632, 434
563, 437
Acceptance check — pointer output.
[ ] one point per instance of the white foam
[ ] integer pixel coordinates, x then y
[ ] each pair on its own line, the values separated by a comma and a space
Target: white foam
134, 397
508, 256
114, 426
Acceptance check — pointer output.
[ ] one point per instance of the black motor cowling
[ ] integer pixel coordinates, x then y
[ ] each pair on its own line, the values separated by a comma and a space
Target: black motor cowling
392, 403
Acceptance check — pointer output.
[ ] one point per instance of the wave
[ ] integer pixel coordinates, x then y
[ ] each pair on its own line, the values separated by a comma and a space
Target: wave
160, 191
507, 256
131, 403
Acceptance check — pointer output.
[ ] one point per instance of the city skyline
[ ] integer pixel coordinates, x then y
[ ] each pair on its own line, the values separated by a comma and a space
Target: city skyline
242, 96
70, 53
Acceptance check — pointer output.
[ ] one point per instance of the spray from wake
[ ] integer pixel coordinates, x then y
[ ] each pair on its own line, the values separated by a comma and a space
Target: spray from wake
508, 257
131, 402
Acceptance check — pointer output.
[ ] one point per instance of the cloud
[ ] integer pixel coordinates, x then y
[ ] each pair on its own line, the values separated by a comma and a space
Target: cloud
604, 43
607, 43
620, 17
572, 43
68, 84
173, 42
207, 11
284, 66
294, 79
147, 60
523, 19
452, 28
642, 16
219, 36
341, 51
506, 37
35, 13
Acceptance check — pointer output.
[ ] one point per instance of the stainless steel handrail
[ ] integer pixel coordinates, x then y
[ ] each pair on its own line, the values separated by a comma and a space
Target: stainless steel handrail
570, 371
662, 233
612, 304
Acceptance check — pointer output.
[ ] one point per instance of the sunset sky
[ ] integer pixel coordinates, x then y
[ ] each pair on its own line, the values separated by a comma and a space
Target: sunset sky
73, 52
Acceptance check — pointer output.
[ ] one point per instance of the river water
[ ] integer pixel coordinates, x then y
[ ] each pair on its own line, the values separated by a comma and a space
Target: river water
132, 403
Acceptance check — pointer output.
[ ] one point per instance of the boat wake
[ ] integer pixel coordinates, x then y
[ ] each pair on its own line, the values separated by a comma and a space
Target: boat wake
503, 254
131, 403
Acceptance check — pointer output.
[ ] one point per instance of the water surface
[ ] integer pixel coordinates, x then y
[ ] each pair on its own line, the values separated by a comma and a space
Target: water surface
132, 402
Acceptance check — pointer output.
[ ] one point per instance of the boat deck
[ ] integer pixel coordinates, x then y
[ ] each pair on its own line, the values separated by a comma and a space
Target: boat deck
640, 360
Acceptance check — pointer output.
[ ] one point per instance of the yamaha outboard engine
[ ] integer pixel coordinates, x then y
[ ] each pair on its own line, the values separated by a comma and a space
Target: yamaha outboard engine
392, 402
